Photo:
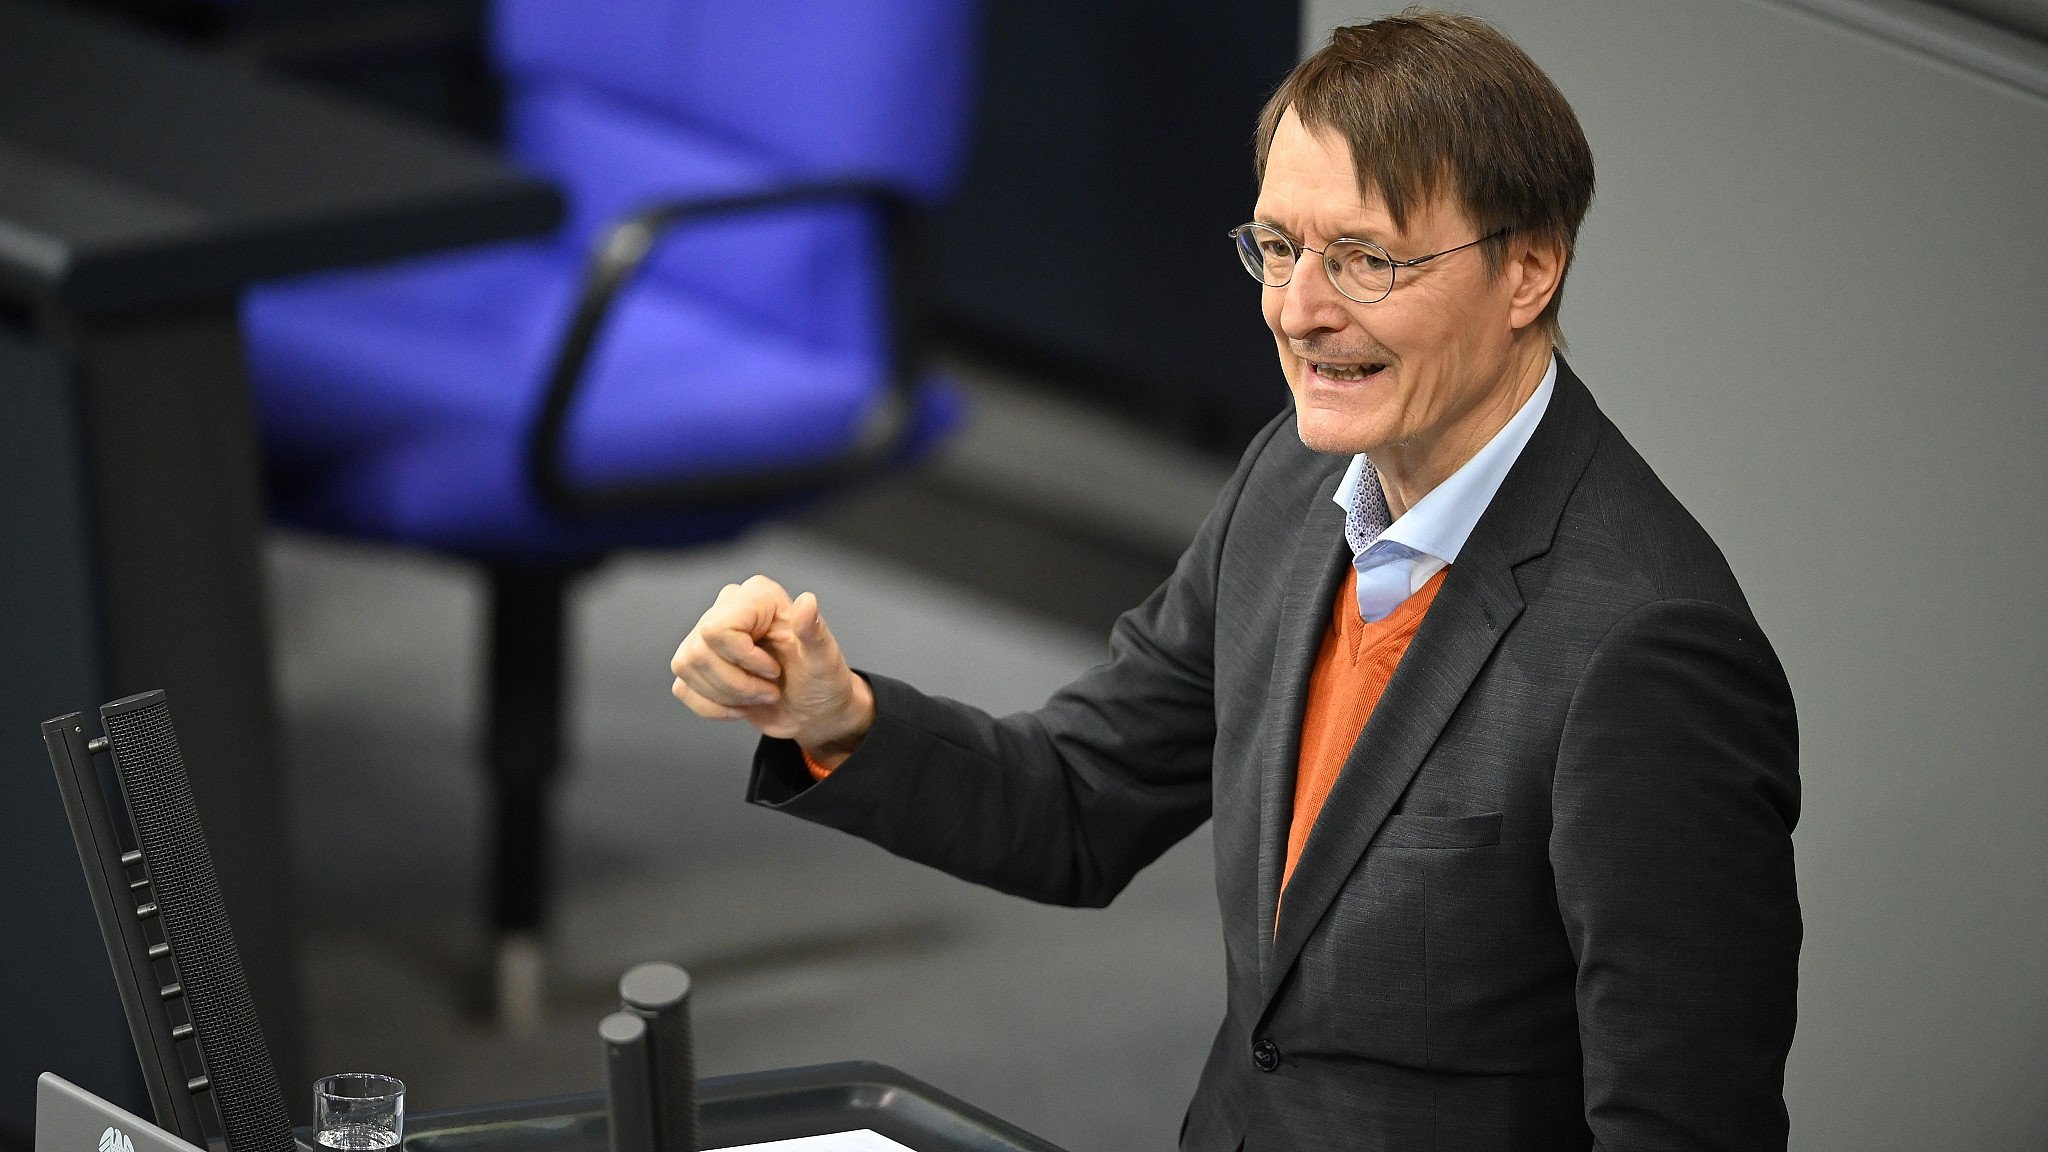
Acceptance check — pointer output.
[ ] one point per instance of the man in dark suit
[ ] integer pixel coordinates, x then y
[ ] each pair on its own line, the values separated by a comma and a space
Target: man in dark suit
1544, 898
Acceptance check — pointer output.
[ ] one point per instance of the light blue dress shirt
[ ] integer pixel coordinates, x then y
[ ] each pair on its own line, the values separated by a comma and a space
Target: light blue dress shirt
1394, 564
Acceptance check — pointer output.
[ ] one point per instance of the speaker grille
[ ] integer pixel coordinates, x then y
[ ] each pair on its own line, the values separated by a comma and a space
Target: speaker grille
159, 796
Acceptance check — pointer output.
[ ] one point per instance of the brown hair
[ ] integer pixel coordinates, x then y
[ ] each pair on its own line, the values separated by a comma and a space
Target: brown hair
1430, 99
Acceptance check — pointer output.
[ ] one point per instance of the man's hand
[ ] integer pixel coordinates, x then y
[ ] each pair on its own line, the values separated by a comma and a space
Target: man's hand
759, 656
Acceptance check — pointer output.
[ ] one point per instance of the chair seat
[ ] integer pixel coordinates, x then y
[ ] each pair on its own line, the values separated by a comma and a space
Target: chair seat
397, 400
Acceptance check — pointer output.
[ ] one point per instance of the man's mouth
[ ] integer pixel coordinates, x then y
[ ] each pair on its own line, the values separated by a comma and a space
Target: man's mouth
1347, 373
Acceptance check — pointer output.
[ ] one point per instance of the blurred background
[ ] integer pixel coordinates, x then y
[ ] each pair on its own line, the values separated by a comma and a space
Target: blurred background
290, 295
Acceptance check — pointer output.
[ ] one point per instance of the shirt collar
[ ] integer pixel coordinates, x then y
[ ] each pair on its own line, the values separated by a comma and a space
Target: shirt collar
1440, 522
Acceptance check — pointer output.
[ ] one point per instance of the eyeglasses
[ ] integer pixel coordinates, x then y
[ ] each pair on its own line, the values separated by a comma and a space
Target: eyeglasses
1360, 269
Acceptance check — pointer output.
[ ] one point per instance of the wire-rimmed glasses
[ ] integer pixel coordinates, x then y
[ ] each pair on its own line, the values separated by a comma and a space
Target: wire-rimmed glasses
1360, 269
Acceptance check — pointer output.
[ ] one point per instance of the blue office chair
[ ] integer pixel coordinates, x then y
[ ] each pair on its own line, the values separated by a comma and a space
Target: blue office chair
721, 332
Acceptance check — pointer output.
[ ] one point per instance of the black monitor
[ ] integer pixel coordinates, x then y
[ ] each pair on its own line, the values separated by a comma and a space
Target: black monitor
173, 954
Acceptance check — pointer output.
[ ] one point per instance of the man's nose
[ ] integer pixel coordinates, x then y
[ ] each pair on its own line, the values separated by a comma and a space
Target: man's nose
1309, 303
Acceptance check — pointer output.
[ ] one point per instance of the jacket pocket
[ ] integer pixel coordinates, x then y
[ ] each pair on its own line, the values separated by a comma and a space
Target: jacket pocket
1402, 830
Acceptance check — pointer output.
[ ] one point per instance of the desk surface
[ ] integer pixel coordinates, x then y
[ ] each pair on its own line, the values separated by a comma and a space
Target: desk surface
750, 1108
135, 173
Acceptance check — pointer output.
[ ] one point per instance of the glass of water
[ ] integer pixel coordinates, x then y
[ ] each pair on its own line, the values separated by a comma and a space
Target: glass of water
358, 1112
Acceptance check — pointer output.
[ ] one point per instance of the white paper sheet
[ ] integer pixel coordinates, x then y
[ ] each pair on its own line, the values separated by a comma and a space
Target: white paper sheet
860, 1141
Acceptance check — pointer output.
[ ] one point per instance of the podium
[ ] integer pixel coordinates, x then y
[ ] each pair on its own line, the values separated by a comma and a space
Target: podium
211, 1078
734, 1111
749, 1108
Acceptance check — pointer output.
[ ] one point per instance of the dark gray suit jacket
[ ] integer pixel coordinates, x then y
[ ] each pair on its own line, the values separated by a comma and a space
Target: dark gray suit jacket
1549, 903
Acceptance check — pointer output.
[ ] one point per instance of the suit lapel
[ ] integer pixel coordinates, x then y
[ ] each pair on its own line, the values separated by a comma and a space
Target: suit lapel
1473, 610
1314, 573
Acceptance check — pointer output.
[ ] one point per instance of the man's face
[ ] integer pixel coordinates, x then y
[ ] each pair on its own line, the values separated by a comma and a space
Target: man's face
1418, 379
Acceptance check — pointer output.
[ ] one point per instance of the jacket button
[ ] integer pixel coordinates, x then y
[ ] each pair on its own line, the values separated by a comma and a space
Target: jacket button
1265, 1055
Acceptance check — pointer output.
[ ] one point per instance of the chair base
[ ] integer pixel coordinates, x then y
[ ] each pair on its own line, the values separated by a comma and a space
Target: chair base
519, 983
528, 615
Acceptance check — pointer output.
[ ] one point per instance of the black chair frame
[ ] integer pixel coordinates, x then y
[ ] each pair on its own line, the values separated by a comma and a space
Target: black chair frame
617, 259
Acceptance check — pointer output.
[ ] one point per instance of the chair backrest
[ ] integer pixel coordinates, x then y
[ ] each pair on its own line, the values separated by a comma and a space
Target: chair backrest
873, 88
629, 102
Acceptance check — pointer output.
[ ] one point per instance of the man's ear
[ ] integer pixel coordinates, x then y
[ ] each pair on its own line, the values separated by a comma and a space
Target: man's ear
1535, 266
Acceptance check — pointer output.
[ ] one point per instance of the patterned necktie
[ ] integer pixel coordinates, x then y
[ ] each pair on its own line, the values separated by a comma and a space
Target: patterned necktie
1383, 576
1369, 516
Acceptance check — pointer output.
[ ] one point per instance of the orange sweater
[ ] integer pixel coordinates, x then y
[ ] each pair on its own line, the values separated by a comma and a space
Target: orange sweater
1356, 660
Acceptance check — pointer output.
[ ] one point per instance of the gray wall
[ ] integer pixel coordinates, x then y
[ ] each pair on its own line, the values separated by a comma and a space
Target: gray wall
1811, 291
2027, 16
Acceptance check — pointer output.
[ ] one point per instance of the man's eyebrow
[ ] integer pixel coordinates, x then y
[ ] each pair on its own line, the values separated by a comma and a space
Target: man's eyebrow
1360, 234
1348, 234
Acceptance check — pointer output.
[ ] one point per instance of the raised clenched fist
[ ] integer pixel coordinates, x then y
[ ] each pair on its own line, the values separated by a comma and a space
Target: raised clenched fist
758, 655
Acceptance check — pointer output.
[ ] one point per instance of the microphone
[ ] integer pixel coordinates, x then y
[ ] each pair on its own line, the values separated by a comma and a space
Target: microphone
627, 1083
659, 994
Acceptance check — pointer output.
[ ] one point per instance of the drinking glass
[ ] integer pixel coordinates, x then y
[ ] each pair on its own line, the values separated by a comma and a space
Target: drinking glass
358, 1112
